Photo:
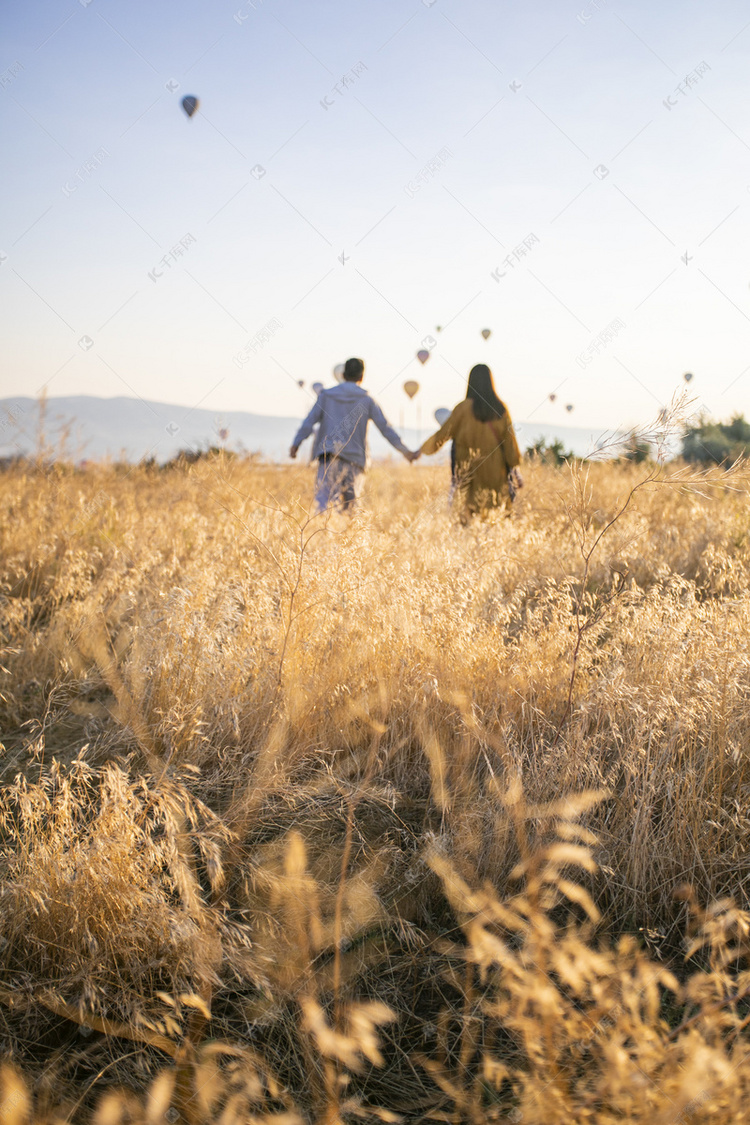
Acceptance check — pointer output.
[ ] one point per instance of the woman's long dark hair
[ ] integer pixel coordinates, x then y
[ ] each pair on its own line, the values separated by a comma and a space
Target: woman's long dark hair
481, 390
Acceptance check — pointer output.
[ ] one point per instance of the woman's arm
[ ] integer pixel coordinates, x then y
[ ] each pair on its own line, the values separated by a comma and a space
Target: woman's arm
445, 433
511, 452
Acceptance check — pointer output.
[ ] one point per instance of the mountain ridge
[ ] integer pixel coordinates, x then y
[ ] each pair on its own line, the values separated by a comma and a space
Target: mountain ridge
88, 427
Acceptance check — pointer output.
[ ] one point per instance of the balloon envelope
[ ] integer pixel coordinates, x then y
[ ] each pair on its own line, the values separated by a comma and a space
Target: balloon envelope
190, 104
687, 377
569, 407
317, 387
486, 332
423, 355
552, 398
338, 372
442, 414
411, 386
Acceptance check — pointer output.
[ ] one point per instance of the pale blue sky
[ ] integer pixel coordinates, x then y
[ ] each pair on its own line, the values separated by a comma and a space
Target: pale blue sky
616, 135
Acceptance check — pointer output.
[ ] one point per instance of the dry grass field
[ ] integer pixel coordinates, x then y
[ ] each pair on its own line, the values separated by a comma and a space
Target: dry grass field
318, 820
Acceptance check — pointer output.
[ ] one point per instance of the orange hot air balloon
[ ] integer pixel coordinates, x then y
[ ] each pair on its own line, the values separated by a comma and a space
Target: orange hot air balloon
486, 333
423, 355
411, 386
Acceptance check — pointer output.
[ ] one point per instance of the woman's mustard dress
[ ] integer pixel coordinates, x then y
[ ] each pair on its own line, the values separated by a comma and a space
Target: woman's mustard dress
485, 454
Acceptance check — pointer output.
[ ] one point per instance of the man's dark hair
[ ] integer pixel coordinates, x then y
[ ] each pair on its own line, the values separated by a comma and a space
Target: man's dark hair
354, 369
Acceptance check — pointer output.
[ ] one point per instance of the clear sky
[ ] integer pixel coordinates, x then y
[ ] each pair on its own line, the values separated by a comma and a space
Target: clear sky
574, 176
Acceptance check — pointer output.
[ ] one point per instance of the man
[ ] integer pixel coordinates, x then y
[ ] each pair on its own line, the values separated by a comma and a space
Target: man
340, 446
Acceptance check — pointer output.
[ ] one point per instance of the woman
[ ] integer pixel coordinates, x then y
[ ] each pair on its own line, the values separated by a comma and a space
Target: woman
485, 446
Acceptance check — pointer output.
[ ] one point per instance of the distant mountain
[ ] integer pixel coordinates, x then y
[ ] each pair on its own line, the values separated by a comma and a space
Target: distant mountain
86, 427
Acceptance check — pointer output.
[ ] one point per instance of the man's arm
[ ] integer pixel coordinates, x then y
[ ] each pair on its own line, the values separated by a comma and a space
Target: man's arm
388, 431
306, 428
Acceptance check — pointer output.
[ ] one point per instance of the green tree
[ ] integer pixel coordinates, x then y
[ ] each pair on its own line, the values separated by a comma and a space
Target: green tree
551, 453
717, 442
637, 448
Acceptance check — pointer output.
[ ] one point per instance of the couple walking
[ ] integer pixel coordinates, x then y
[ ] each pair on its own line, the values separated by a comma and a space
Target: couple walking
485, 451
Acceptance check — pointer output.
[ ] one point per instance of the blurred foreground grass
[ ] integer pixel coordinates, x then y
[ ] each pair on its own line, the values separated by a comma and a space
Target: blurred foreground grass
328, 820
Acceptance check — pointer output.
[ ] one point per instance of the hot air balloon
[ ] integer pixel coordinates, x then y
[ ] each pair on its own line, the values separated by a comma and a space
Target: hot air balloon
438, 328
442, 414
338, 372
687, 376
317, 387
300, 382
190, 104
569, 407
423, 355
486, 333
552, 398
223, 433
411, 386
